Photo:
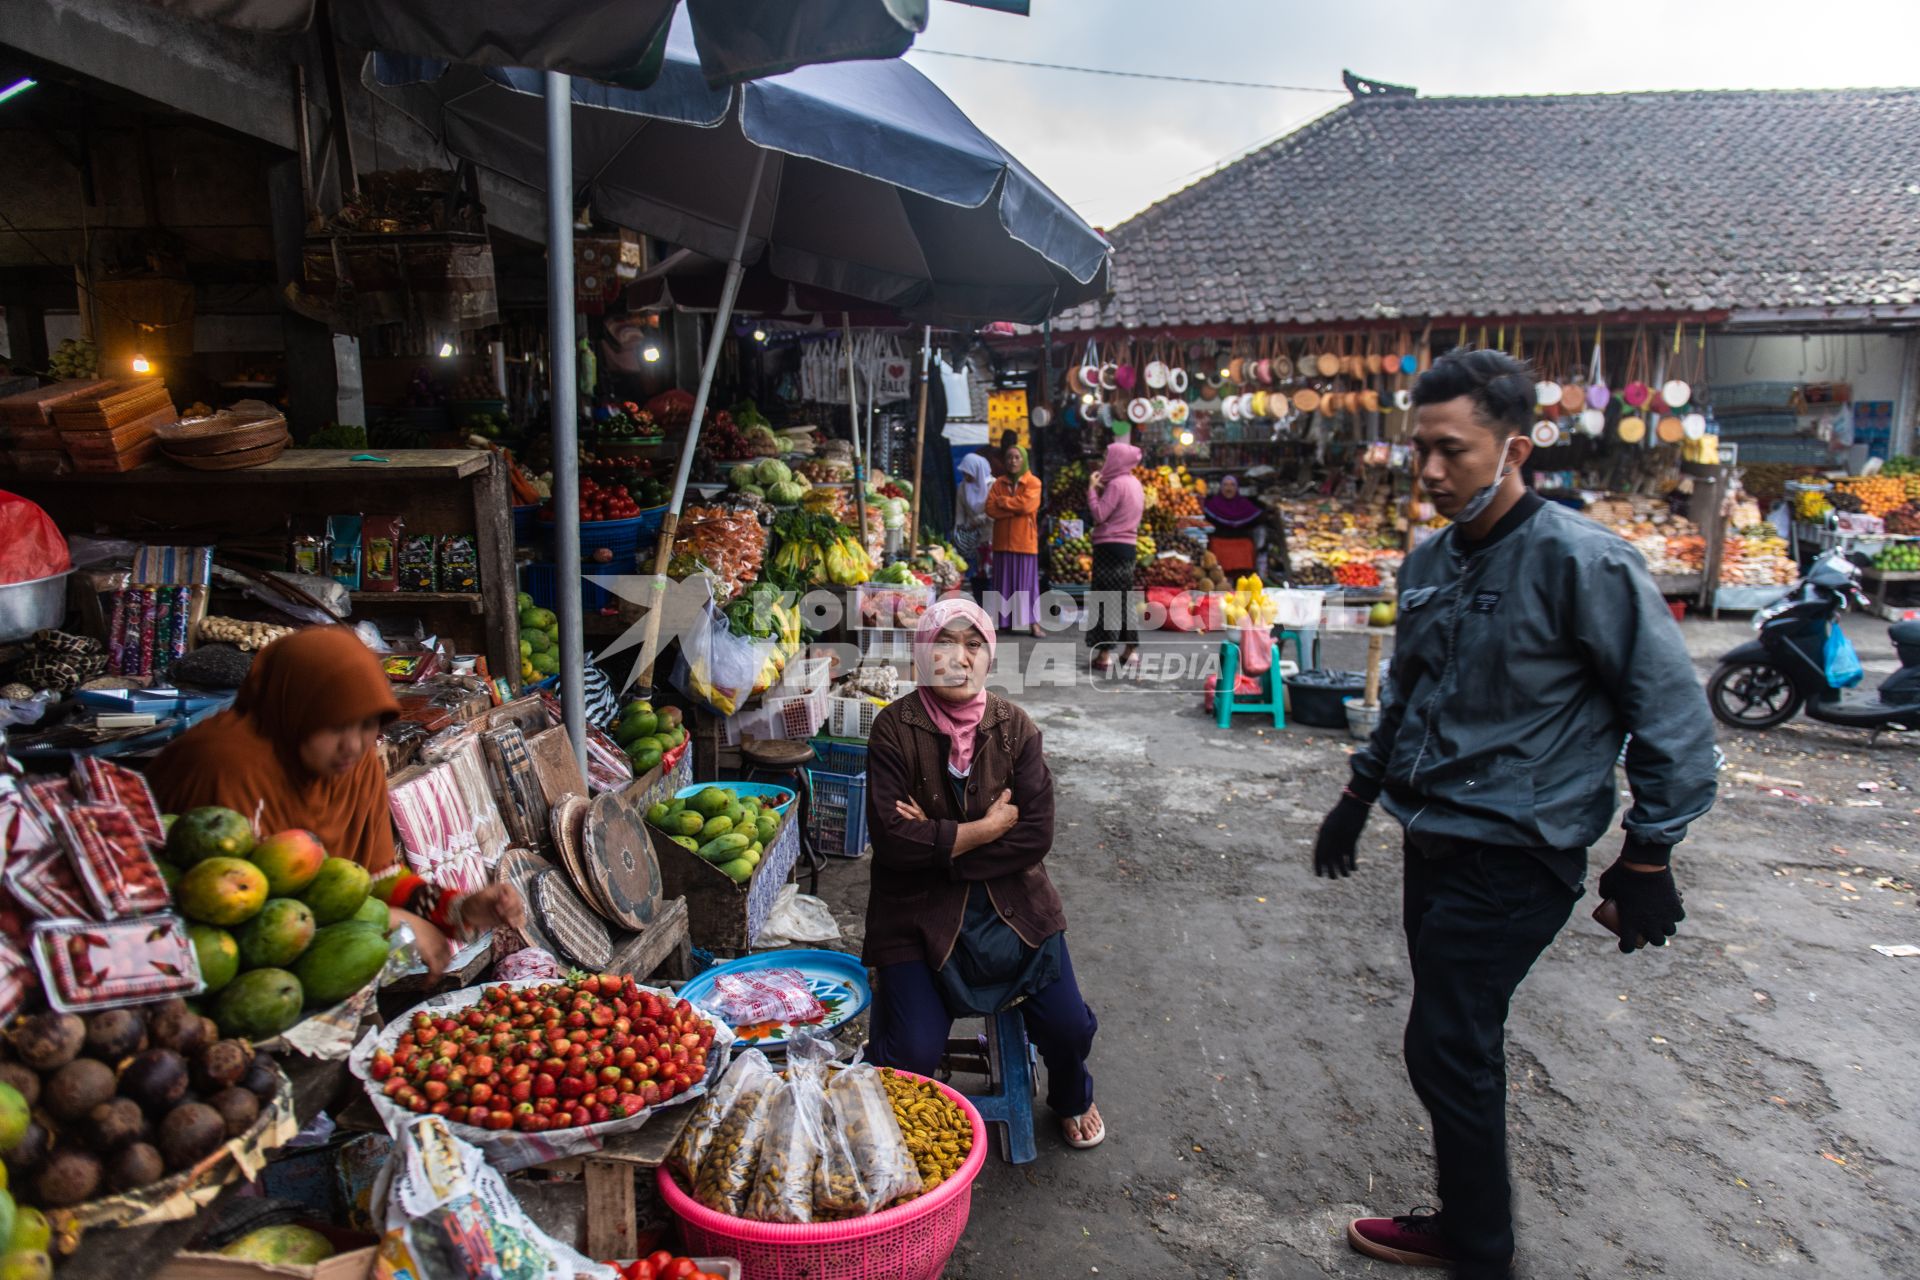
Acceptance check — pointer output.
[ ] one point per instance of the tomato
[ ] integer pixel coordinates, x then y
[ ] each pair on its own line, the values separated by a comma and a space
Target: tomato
658, 1260
679, 1269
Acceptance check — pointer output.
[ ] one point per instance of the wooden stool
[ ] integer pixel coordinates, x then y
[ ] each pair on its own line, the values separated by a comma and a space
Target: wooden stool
785, 761
1005, 1057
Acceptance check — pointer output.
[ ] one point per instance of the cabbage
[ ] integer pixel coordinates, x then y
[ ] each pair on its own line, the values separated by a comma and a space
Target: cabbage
772, 471
785, 493
743, 475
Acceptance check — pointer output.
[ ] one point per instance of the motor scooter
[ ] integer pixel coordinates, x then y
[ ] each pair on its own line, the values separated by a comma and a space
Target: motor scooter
1768, 681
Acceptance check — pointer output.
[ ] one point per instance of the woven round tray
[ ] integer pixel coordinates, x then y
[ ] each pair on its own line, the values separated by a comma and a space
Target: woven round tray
519, 868
236, 460
580, 934
618, 855
219, 433
568, 819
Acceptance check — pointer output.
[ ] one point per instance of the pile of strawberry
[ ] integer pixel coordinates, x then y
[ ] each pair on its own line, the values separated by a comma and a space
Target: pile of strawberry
556, 1056
661, 1265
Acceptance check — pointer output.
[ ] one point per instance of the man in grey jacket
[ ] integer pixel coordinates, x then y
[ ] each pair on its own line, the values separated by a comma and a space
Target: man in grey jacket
1530, 644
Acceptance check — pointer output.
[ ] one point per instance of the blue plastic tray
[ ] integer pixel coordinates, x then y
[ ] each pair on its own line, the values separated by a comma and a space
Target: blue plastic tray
838, 981
745, 789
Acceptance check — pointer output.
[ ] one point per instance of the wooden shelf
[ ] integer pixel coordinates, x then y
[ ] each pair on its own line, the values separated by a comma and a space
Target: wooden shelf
470, 600
302, 466
1882, 575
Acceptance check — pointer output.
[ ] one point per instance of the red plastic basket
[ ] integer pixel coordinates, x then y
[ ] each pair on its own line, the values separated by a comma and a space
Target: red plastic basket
910, 1242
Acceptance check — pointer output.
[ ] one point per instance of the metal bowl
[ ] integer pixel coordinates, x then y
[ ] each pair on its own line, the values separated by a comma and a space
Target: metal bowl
27, 607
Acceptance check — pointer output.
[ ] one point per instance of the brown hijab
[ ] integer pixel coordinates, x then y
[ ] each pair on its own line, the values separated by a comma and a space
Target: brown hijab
248, 758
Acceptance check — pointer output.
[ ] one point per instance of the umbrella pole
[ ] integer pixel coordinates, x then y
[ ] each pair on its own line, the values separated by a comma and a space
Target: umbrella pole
920, 441
853, 421
670, 526
565, 411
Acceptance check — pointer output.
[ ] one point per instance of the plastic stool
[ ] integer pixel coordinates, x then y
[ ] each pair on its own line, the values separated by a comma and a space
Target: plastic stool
1006, 1056
1271, 687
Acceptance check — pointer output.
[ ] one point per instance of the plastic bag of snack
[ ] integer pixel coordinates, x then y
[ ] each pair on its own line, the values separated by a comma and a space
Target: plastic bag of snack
749, 1071
724, 1176
868, 1166
794, 1145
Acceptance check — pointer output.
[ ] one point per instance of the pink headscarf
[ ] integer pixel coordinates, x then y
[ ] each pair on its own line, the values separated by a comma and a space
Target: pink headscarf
960, 721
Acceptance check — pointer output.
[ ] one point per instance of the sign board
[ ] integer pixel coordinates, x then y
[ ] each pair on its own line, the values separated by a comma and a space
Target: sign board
1007, 411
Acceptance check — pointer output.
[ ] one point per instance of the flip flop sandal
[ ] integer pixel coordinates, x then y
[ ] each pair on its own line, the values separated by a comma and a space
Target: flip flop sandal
1083, 1144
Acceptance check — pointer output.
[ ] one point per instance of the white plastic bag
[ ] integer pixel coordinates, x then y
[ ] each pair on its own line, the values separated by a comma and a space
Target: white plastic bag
796, 917
765, 995
716, 666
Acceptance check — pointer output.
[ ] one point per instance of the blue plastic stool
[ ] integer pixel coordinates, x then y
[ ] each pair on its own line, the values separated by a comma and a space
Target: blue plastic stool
1006, 1058
1272, 691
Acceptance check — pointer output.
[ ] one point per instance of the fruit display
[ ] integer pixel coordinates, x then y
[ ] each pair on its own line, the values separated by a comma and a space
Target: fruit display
761, 613
1170, 570
600, 502
1898, 557
1877, 494
938, 1134
1671, 544
816, 550
275, 923
646, 733
727, 544
1171, 490
1248, 602
75, 358
1755, 555
1811, 506
1067, 491
1324, 536
113, 1102
1144, 549
1070, 559
661, 1265
1904, 519
627, 421
546, 1057
770, 479
539, 640
1356, 574
1211, 577
720, 825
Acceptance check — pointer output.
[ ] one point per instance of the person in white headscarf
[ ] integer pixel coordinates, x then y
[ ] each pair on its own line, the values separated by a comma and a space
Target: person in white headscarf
971, 524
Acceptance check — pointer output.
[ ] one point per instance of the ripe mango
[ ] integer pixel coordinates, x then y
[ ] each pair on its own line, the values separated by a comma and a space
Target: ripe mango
684, 823
723, 847
716, 826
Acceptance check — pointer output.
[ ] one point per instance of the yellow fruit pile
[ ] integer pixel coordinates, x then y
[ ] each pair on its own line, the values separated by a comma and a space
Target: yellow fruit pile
1249, 603
1878, 494
1811, 506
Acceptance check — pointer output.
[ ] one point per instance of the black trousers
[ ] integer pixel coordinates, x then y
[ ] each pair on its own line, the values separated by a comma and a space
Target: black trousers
1107, 597
1476, 919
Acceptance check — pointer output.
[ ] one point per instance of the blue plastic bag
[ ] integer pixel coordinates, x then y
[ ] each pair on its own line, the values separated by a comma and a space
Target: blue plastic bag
1843, 664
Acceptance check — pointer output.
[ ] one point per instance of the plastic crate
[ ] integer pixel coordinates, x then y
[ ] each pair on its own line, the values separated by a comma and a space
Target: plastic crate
887, 597
1296, 609
837, 814
622, 537
1346, 617
523, 523
791, 718
538, 580
885, 644
839, 755
805, 675
853, 717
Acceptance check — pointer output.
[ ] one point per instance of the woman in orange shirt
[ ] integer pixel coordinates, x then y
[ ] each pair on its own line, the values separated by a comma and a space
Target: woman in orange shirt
1014, 504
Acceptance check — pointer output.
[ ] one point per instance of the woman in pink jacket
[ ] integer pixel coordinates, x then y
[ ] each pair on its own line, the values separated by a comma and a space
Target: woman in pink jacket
1116, 501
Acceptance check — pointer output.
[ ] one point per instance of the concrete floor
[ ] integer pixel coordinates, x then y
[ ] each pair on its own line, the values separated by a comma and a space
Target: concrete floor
1741, 1104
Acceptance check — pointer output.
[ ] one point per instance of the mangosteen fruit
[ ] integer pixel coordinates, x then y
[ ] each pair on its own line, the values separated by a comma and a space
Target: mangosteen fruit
77, 1088
191, 1132
113, 1034
135, 1166
116, 1123
220, 1064
28, 1153
49, 1041
182, 1031
69, 1177
23, 1078
262, 1079
237, 1107
156, 1079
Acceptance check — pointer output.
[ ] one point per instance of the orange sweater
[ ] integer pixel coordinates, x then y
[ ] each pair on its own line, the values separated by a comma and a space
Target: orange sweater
1014, 506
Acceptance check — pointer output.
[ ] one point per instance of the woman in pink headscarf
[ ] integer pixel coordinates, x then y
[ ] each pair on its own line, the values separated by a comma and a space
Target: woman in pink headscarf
962, 919
1116, 501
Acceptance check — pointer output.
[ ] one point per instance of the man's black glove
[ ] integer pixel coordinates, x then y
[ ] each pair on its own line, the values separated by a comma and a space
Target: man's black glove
1333, 848
1648, 901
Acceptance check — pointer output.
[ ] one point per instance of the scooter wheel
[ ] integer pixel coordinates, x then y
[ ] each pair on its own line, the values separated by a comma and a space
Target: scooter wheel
1752, 695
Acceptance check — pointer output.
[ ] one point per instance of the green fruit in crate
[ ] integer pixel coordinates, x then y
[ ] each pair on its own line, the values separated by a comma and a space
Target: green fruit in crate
644, 759
724, 846
657, 814
374, 912
522, 601
544, 619
218, 953
292, 1246
7, 1219
536, 642
275, 937
344, 957
259, 1004
687, 822
526, 647
545, 664
767, 825
31, 1230
677, 805
739, 870
170, 873
687, 842
671, 716
715, 827
639, 724
208, 832
709, 802
736, 813
337, 892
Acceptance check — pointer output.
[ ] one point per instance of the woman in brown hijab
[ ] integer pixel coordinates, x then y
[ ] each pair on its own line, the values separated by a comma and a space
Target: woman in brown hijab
297, 751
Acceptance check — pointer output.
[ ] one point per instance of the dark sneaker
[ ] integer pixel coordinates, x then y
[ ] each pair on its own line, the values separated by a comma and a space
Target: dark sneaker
1412, 1239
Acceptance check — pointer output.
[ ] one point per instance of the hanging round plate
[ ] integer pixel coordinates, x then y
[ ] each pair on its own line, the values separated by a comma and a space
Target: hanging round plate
1259, 404
1107, 372
1573, 397
1041, 416
1156, 374
1159, 405
1207, 390
1592, 421
1232, 404
1178, 413
1409, 363
1089, 377
1327, 363
1676, 393
1403, 399
1670, 430
1177, 381
1138, 410
1126, 377
1282, 368
1246, 406
1633, 429
1636, 394
1546, 393
1277, 404
1694, 425
1598, 394
1545, 433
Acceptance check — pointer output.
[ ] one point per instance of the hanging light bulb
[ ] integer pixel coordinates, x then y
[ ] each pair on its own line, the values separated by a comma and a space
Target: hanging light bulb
759, 335
142, 365
650, 353
1086, 398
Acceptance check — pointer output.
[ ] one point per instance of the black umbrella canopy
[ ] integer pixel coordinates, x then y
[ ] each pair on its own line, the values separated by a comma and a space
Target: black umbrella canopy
875, 184
618, 40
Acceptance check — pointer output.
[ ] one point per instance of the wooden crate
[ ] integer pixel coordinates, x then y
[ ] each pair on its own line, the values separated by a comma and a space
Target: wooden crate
722, 915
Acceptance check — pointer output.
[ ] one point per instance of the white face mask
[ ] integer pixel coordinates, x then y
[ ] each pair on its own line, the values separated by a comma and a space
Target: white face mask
1483, 498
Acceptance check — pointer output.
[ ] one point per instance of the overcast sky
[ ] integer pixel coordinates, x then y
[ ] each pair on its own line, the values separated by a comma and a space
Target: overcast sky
1112, 146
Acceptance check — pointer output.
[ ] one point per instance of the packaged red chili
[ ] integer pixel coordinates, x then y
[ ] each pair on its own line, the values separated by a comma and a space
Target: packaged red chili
87, 966
114, 862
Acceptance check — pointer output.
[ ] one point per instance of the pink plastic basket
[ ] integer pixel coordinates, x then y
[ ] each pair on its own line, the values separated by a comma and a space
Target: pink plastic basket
911, 1242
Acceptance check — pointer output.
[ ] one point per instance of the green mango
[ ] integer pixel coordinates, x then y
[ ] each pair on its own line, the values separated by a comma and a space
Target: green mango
657, 814
715, 827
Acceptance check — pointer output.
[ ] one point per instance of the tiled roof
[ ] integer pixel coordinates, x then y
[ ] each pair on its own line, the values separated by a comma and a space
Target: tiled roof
1407, 208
